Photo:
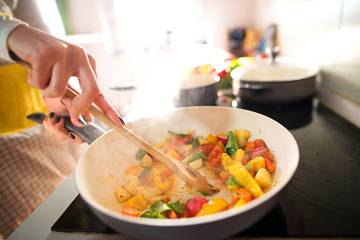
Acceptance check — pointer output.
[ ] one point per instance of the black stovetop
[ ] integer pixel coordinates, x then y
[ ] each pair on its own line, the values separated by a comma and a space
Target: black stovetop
323, 198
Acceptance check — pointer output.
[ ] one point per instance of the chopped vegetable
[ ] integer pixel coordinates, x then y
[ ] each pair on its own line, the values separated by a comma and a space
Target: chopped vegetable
226, 161
242, 170
222, 139
206, 148
270, 165
121, 194
240, 203
244, 177
232, 184
239, 155
137, 202
133, 212
214, 158
213, 206
134, 170
156, 210
146, 161
195, 143
256, 163
242, 137
197, 156
181, 135
231, 146
194, 205
243, 193
258, 151
259, 143
263, 178
162, 184
178, 207
250, 146
172, 215
140, 154
211, 138
196, 164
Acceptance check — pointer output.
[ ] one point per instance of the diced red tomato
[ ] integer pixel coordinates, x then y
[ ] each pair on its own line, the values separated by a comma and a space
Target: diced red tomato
194, 205
221, 145
270, 165
206, 148
244, 193
250, 146
133, 212
246, 158
222, 139
214, 157
259, 143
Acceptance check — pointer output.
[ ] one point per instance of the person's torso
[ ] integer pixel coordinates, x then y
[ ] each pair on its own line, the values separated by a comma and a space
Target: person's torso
17, 99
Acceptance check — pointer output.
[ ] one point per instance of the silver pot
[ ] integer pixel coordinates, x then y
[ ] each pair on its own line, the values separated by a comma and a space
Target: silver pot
281, 82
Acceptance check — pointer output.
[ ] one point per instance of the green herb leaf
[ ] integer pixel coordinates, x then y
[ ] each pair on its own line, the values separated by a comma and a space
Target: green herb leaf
177, 134
197, 156
140, 154
205, 194
231, 146
177, 206
231, 181
156, 210
195, 143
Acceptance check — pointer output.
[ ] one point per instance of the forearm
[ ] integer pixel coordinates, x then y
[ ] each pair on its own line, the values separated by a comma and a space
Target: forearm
7, 25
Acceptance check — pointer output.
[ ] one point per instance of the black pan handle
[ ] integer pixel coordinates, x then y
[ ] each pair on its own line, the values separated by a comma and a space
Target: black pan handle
89, 133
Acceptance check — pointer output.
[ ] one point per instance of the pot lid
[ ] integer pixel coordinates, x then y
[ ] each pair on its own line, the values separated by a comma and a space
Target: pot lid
277, 72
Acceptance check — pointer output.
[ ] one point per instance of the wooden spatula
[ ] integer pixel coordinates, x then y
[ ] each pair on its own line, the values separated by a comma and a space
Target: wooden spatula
188, 174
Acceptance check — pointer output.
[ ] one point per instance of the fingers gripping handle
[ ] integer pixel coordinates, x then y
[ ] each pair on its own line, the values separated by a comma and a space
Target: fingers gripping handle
89, 133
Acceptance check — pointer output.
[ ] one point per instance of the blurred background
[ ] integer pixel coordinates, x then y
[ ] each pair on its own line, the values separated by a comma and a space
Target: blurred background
142, 46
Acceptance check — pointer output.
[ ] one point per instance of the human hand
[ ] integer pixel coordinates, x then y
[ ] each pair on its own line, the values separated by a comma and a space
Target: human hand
53, 62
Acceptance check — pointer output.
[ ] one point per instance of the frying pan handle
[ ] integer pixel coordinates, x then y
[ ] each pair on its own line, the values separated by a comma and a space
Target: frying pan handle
89, 133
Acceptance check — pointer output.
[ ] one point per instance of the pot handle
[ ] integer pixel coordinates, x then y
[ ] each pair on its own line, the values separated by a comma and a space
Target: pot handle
89, 133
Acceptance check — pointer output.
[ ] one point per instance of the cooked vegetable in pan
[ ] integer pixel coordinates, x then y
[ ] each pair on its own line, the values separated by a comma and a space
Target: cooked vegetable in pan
242, 169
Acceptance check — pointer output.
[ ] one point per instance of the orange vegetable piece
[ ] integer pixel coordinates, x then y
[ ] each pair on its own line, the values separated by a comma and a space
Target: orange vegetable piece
134, 170
243, 193
259, 143
172, 215
133, 212
250, 146
268, 155
270, 165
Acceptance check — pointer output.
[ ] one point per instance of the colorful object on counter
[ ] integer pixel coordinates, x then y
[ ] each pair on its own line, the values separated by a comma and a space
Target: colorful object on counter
241, 168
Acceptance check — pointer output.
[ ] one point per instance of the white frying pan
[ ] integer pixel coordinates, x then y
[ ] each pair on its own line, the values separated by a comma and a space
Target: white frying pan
100, 168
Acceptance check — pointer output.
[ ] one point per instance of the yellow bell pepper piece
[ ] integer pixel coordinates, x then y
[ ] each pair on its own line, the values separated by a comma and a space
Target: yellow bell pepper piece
213, 206
138, 202
242, 136
244, 177
240, 203
239, 155
159, 183
211, 138
226, 161
173, 154
256, 163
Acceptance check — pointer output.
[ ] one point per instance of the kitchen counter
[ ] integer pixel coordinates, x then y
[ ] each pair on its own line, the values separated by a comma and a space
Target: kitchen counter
322, 200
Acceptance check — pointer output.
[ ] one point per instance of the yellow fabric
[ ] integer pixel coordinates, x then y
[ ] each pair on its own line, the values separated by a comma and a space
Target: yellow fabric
17, 99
